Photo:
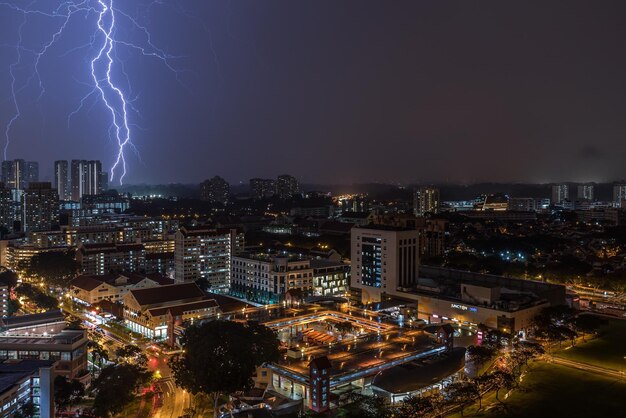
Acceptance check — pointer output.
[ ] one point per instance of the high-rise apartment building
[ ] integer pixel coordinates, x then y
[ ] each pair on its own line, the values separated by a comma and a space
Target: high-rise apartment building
262, 188
16, 174
426, 200
8, 208
215, 190
40, 207
560, 193
86, 178
619, 193
384, 259
62, 179
585, 192
287, 186
205, 253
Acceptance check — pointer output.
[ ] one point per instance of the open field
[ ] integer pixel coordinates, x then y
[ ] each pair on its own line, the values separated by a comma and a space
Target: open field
608, 350
549, 390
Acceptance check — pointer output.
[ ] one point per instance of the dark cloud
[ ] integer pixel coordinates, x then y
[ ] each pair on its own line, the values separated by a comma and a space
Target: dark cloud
351, 90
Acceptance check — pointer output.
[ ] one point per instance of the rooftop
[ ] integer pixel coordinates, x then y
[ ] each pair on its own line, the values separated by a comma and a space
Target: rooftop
167, 293
14, 371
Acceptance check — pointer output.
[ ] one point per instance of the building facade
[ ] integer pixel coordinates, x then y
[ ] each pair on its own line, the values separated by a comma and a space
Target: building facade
287, 186
155, 312
40, 207
215, 190
384, 259
204, 253
262, 188
585, 192
62, 179
86, 178
426, 200
560, 193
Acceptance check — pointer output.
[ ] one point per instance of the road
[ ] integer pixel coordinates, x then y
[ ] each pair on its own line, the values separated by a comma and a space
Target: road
584, 366
173, 400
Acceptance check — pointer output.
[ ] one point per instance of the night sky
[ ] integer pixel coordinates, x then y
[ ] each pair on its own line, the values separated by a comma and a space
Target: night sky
338, 91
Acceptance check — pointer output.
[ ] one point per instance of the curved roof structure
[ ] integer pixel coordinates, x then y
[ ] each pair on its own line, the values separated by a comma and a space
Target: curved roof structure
417, 375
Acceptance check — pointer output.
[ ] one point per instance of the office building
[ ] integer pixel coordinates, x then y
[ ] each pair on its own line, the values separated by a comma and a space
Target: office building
86, 178
62, 179
262, 188
384, 259
560, 193
585, 192
205, 253
40, 207
287, 186
215, 190
426, 200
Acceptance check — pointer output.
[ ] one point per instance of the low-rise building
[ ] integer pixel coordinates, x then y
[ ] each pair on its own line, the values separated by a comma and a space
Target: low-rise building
267, 277
47, 341
155, 312
91, 289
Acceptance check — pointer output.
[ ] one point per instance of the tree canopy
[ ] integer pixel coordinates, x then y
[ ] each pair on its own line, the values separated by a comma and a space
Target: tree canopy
116, 386
221, 356
67, 392
53, 267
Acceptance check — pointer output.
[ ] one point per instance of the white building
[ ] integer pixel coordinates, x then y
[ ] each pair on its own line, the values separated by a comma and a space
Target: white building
91, 289
266, 278
205, 253
384, 260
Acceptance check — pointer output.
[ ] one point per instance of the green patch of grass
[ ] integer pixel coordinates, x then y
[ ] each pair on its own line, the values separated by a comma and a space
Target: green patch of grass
550, 390
607, 350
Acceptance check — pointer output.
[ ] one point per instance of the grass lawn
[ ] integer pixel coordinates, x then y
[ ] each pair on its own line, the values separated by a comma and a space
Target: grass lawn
550, 390
608, 350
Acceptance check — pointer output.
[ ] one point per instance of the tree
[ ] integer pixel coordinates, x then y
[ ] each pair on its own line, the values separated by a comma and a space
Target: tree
13, 305
25, 410
483, 384
235, 349
416, 407
99, 354
362, 406
74, 322
588, 324
344, 328
131, 354
480, 354
502, 380
54, 267
39, 298
116, 386
8, 276
67, 392
462, 393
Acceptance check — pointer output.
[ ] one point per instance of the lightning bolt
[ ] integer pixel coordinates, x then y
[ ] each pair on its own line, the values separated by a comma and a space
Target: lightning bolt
104, 65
